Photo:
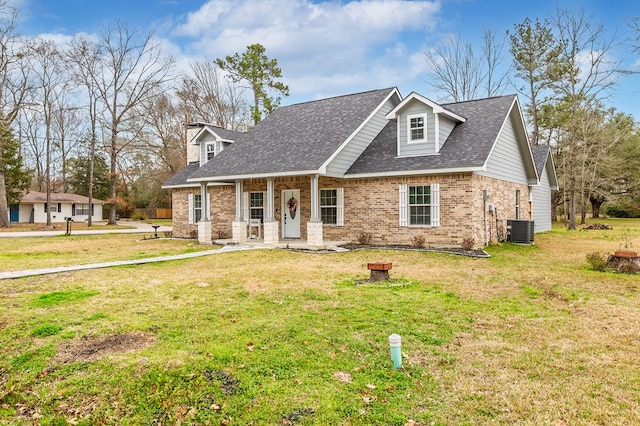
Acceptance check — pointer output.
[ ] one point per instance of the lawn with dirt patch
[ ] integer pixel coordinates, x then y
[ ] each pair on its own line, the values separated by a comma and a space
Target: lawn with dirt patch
529, 336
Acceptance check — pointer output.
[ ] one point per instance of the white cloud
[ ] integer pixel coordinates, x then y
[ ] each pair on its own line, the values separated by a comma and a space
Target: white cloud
331, 46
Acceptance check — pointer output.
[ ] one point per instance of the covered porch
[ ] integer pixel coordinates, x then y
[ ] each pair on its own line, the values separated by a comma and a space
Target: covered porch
278, 211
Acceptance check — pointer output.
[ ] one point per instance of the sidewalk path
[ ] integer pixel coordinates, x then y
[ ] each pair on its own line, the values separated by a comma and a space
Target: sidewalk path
58, 269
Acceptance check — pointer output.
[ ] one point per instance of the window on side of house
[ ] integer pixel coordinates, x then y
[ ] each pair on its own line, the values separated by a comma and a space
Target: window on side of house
82, 209
329, 206
417, 128
517, 204
197, 207
256, 205
210, 147
419, 205
55, 207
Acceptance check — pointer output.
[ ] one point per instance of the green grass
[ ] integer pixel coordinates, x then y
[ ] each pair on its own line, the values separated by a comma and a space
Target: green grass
530, 336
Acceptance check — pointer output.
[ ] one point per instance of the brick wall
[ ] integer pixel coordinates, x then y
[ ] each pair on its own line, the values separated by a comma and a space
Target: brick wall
372, 206
222, 212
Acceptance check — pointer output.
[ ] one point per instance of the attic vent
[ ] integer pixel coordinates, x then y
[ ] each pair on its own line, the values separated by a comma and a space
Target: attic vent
520, 231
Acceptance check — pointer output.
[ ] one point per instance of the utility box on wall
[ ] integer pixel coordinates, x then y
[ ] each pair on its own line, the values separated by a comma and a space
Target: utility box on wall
520, 231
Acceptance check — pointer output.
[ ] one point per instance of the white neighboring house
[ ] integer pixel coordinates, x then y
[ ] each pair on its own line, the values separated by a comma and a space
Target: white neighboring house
32, 208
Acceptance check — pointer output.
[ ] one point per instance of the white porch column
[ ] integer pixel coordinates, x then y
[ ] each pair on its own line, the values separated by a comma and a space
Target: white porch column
314, 226
270, 210
239, 226
315, 199
271, 227
204, 225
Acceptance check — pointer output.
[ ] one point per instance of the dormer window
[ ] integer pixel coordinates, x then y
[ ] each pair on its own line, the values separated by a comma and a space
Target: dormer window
417, 128
211, 150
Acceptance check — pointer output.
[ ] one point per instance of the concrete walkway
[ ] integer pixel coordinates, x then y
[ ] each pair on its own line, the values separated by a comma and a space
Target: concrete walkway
58, 269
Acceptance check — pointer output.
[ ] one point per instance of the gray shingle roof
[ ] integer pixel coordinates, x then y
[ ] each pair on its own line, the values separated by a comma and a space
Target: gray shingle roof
540, 155
227, 134
298, 137
468, 145
180, 178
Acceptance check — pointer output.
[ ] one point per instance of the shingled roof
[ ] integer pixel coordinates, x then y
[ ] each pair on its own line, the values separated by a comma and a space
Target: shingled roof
467, 147
180, 178
57, 197
295, 138
540, 155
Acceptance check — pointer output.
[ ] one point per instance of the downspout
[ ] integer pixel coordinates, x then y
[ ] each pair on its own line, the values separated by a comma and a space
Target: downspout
485, 198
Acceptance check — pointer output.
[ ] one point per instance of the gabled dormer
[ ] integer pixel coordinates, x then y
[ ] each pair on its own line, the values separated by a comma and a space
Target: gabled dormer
423, 126
208, 142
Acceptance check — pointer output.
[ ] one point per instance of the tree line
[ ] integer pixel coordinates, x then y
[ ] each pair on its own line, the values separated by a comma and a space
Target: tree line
565, 69
105, 116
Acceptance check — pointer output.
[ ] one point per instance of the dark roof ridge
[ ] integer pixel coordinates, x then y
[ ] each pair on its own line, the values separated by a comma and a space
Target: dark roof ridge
511, 95
340, 96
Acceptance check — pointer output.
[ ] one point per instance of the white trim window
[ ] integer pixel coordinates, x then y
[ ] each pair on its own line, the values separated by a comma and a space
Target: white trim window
332, 206
82, 209
420, 205
210, 150
416, 128
517, 204
256, 205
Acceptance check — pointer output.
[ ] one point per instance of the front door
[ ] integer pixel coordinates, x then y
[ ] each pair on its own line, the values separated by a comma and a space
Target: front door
14, 213
291, 213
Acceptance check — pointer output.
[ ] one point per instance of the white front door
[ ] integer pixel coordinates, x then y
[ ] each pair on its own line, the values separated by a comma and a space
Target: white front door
291, 213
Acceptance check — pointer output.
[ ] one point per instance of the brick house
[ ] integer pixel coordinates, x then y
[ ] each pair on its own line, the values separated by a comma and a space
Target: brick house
371, 162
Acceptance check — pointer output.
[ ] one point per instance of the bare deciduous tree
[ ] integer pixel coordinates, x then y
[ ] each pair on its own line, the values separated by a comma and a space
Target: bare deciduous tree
210, 98
13, 89
131, 71
456, 70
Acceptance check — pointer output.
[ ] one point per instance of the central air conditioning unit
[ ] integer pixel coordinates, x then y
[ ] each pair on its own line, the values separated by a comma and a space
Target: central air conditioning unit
520, 231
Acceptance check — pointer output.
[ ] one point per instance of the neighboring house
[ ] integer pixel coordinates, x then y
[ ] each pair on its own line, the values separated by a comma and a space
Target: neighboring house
370, 162
541, 193
33, 207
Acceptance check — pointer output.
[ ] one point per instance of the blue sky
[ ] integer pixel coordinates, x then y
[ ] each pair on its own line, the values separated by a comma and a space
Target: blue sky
326, 48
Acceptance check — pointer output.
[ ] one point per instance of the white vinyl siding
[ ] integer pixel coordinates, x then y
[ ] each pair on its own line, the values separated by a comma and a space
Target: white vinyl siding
541, 203
505, 161
356, 146
419, 205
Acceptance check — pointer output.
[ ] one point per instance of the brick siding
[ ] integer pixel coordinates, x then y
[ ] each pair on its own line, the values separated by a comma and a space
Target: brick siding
372, 206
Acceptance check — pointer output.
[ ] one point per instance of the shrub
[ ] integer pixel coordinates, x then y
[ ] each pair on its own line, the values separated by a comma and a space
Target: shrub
417, 241
628, 268
223, 234
364, 238
468, 243
622, 210
138, 215
598, 261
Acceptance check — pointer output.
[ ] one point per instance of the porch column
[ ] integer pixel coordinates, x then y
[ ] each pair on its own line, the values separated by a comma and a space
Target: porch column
204, 225
314, 226
271, 231
239, 226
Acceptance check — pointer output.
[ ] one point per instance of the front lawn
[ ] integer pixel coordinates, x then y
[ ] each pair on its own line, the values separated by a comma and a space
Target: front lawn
268, 337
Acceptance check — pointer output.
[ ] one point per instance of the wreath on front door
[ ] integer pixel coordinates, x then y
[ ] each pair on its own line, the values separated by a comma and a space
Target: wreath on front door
292, 205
